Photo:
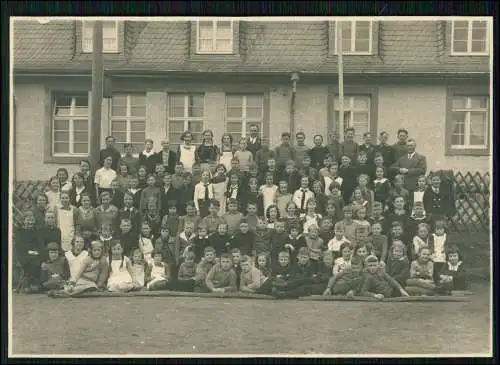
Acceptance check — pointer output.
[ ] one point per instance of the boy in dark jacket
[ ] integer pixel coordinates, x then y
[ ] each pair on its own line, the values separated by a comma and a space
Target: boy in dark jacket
277, 242
29, 251
349, 282
300, 280
55, 271
128, 237
244, 239
220, 240
291, 176
377, 283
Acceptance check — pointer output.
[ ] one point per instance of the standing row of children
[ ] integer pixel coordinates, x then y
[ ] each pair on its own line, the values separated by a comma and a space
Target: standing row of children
177, 220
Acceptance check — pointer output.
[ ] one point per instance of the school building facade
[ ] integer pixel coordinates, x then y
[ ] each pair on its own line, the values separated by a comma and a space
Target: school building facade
430, 77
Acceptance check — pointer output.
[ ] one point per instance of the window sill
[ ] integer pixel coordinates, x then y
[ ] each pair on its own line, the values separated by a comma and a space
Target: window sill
104, 51
66, 160
465, 54
354, 53
467, 152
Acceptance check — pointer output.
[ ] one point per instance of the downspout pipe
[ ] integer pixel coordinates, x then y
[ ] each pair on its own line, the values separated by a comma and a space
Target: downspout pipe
294, 77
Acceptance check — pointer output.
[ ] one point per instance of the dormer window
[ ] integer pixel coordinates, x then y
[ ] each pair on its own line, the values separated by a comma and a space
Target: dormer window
214, 37
109, 36
469, 38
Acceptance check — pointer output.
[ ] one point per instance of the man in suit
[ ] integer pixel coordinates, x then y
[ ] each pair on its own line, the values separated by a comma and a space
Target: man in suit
411, 166
253, 144
167, 157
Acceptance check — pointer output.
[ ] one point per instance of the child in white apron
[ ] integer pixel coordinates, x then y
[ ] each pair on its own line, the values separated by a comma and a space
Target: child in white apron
66, 221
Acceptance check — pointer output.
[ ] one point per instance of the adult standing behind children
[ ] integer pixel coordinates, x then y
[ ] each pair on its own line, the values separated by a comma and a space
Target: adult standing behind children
254, 142
385, 150
318, 152
301, 149
411, 166
167, 157
147, 157
110, 150
400, 148
284, 152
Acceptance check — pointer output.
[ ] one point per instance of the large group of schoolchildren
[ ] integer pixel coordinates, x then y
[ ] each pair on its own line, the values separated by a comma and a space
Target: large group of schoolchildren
335, 219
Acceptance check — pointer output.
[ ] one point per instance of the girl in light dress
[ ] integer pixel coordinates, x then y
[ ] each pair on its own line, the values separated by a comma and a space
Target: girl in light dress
76, 255
310, 218
219, 182
121, 276
66, 217
138, 267
268, 192
227, 151
187, 151
157, 273
146, 242
91, 274
54, 193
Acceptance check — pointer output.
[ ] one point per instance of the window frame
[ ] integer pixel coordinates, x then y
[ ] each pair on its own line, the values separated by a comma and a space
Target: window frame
351, 110
353, 39
186, 118
128, 118
214, 38
244, 120
70, 118
469, 39
89, 23
468, 91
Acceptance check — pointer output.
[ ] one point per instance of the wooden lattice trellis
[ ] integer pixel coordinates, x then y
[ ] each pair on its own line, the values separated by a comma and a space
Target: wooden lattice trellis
471, 191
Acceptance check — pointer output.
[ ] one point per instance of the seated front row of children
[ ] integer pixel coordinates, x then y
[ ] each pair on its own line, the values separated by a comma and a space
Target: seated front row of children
357, 272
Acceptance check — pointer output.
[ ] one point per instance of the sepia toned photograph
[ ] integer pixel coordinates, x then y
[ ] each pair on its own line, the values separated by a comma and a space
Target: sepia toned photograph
249, 187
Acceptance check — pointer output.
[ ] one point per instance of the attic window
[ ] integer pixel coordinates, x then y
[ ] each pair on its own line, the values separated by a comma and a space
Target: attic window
357, 37
109, 36
214, 37
469, 37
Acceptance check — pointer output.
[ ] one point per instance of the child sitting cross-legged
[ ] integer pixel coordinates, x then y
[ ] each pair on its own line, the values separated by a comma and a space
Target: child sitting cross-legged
397, 263
377, 283
348, 281
421, 273
453, 276
121, 275
186, 275
221, 278
157, 273
279, 274
300, 280
203, 268
55, 271
251, 278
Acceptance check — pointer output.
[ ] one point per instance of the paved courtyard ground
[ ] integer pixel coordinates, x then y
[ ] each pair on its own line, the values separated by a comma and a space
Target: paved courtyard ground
179, 325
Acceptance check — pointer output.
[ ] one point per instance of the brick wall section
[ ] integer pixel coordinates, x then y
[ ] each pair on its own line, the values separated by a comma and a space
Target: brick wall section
421, 109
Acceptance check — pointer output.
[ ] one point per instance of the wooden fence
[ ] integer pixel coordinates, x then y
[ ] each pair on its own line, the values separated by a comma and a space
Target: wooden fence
471, 191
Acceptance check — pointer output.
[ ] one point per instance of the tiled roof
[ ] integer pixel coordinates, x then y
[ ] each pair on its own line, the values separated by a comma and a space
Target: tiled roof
410, 46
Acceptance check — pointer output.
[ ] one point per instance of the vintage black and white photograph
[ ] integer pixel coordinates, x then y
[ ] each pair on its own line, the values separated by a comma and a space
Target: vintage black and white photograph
250, 187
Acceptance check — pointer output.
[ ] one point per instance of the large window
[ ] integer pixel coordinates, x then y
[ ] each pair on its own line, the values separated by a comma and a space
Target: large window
356, 115
469, 122
70, 125
214, 36
469, 37
242, 111
357, 37
109, 36
186, 112
128, 119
